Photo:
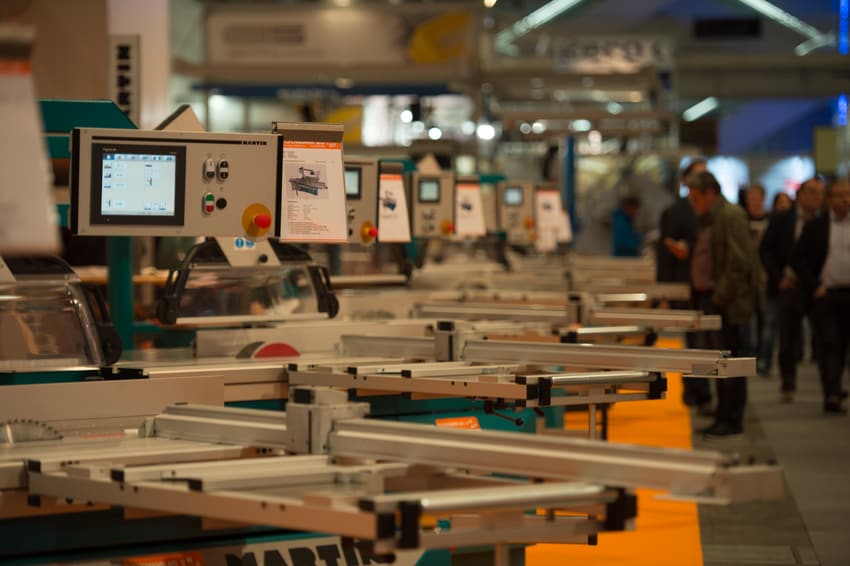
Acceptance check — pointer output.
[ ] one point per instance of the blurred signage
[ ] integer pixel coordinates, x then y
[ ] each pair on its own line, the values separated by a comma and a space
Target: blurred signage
125, 73
614, 54
329, 36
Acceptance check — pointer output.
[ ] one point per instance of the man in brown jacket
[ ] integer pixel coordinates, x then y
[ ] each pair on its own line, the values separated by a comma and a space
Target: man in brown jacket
726, 268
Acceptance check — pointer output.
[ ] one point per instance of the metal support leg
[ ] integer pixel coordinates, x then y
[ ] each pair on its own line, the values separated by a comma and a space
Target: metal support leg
604, 408
501, 555
591, 421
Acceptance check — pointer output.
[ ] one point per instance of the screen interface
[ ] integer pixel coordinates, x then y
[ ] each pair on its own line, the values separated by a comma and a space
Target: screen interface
138, 184
429, 190
513, 196
352, 183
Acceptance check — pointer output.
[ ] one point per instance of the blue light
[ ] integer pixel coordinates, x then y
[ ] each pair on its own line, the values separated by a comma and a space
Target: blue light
843, 9
841, 110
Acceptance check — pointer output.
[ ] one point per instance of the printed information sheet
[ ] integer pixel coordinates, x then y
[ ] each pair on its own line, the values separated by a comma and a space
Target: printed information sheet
393, 220
469, 210
313, 199
553, 223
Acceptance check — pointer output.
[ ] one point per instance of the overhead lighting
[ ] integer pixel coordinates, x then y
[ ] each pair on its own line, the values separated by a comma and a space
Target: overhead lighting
344, 83
525, 128
815, 37
406, 116
581, 126
342, 3
614, 107
435, 133
815, 43
538, 127
490, 3
700, 109
486, 131
468, 128
217, 102
537, 18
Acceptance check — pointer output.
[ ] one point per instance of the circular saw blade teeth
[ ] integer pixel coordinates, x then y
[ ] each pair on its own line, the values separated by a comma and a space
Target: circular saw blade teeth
26, 430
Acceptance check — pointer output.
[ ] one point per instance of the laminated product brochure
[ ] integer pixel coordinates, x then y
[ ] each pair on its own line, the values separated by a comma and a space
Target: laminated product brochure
469, 210
313, 192
393, 220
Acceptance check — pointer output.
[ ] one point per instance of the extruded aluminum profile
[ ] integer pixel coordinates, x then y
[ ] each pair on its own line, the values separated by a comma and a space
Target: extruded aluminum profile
530, 529
388, 346
177, 497
492, 311
655, 318
703, 363
461, 380
247, 427
551, 495
684, 473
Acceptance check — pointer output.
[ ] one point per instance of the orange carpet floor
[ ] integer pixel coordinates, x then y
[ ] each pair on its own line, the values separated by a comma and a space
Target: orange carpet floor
666, 533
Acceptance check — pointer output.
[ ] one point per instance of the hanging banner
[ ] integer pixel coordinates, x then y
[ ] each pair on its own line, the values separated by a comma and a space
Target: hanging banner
613, 54
393, 220
313, 193
553, 223
469, 210
314, 36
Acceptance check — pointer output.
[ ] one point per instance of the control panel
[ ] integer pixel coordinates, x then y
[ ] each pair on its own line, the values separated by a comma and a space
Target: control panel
361, 199
432, 204
515, 205
163, 183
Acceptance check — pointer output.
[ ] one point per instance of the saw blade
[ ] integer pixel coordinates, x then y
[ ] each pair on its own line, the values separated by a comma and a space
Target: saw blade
17, 431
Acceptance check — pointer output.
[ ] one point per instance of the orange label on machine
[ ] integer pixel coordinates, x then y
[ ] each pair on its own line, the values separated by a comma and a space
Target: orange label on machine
469, 423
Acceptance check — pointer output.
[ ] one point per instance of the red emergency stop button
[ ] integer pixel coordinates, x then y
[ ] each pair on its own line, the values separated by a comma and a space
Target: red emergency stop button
529, 223
262, 221
368, 232
447, 227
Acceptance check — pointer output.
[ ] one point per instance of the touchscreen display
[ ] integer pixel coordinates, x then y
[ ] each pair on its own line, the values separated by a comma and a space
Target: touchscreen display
513, 196
138, 184
352, 183
429, 190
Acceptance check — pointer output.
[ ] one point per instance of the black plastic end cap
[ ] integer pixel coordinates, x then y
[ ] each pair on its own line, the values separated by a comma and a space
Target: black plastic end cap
620, 511
410, 512
658, 387
570, 337
544, 391
385, 525
302, 396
